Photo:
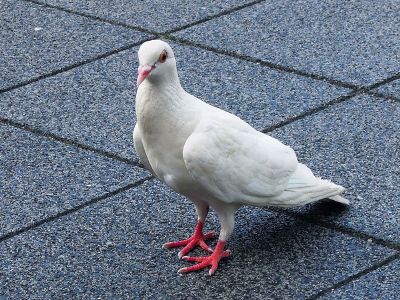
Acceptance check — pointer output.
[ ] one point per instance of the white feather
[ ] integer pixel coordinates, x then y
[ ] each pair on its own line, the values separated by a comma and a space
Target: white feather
212, 156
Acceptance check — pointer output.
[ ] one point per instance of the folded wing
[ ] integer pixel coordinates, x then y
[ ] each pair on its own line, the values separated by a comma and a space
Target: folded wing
237, 164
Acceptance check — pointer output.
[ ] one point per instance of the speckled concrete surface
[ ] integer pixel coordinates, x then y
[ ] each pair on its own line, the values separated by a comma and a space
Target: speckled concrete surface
392, 89
94, 103
41, 177
37, 40
354, 41
355, 144
159, 15
260, 96
78, 218
113, 249
381, 284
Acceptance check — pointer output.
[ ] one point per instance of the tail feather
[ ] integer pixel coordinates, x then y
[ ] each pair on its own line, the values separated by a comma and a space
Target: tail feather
307, 188
340, 199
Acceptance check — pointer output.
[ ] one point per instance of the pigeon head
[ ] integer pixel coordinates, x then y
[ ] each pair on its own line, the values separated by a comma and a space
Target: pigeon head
156, 62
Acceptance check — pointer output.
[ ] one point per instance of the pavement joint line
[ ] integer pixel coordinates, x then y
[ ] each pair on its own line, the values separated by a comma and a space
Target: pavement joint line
167, 35
287, 69
69, 142
383, 96
383, 82
356, 91
262, 62
136, 163
363, 90
344, 230
356, 276
93, 17
14, 233
339, 228
212, 17
140, 28
111, 155
311, 111
72, 66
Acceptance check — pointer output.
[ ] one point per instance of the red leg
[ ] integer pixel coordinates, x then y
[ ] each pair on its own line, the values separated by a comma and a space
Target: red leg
197, 239
205, 261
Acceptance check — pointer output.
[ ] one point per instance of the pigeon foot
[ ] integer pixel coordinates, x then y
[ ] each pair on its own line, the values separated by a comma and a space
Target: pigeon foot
197, 239
205, 261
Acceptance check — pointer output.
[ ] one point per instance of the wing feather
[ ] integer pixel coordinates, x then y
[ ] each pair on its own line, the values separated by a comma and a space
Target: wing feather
236, 163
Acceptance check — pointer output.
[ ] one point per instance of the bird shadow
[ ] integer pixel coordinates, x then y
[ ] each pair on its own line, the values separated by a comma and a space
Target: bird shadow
326, 208
269, 236
287, 231
319, 211
282, 237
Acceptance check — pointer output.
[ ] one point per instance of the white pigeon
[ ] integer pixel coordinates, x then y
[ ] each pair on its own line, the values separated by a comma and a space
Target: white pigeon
211, 156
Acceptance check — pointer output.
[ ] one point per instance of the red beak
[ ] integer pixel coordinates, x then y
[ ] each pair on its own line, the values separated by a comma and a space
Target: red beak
143, 73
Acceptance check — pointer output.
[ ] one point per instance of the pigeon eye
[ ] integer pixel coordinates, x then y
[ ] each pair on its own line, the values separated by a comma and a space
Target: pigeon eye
163, 57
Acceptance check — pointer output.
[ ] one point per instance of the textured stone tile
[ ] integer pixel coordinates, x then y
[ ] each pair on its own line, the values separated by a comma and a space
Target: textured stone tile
94, 103
355, 144
112, 250
380, 284
257, 94
353, 41
392, 89
36, 40
155, 15
40, 177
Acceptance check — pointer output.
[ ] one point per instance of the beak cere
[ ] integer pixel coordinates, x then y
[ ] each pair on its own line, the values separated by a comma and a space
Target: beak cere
143, 72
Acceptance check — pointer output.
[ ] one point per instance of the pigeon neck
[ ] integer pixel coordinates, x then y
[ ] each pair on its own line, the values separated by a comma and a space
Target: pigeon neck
165, 80
166, 85
161, 93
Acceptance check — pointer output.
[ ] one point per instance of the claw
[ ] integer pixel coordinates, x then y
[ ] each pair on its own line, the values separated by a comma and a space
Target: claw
193, 259
197, 239
204, 246
175, 244
205, 261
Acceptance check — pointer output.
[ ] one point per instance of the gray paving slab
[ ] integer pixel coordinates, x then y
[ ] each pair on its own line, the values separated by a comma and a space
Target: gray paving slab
112, 250
355, 144
156, 15
94, 103
257, 94
36, 40
380, 284
40, 177
353, 41
392, 89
